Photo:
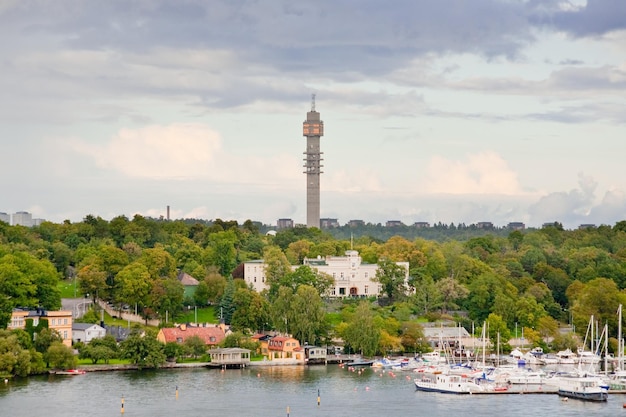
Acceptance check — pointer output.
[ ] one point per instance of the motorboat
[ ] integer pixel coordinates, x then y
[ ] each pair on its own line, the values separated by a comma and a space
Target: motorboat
447, 383
582, 388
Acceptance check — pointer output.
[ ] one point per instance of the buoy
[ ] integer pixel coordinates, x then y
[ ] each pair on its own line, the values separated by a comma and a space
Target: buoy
258, 375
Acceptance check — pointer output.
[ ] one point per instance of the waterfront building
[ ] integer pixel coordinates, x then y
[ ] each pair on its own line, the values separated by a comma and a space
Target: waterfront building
352, 277
285, 349
211, 334
60, 321
5, 217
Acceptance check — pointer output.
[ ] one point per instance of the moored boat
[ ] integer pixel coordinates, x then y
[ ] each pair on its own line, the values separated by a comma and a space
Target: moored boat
446, 383
582, 388
68, 372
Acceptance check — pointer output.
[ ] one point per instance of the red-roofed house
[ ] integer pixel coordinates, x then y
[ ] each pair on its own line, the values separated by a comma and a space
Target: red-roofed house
212, 335
285, 349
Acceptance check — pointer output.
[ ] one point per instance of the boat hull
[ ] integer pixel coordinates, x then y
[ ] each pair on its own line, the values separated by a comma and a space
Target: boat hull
585, 396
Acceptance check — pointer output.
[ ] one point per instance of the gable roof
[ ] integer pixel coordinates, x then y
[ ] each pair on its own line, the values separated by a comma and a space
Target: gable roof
210, 335
85, 326
187, 279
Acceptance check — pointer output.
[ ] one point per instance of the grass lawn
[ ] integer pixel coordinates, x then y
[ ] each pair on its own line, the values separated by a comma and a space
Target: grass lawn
67, 289
205, 315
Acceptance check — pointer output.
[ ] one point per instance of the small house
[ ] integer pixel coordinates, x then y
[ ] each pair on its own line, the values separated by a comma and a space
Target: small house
86, 332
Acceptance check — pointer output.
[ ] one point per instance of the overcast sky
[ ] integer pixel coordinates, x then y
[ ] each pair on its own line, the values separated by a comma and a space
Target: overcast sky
448, 110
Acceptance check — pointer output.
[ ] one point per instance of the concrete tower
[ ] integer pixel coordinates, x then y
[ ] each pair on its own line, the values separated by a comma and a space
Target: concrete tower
313, 129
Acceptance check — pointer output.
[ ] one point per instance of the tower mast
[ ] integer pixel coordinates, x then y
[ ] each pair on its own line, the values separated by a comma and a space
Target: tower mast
313, 130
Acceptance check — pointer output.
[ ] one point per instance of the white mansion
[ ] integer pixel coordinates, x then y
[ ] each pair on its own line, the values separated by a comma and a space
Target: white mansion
352, 276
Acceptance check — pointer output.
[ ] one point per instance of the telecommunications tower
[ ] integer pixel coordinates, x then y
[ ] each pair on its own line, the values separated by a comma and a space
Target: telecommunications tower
313, 129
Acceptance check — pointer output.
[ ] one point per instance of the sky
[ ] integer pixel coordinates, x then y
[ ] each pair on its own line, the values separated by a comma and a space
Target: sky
445, 111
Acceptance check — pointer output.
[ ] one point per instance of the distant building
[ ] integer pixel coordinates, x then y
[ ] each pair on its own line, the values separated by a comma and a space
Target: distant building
516, 226
4, 217
484, 225
189, 282
587, 226
356, 223
421, 225
22, 218
352, 276
284, 224
61, 321
327, 223
394, 223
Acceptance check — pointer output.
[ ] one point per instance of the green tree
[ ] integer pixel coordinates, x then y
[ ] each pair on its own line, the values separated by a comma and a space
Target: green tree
361, 332
412, 337
305, 275
451, 292
392, 277
59, 356
195, 346
307, 314
143, 351
280, 310
277, 267
135, 283
251, 310
173, 351
227, 303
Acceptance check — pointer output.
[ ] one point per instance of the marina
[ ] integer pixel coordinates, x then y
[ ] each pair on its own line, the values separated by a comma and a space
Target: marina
271, 391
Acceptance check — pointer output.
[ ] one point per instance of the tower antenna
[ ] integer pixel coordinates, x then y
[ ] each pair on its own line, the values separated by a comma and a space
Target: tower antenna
313, 102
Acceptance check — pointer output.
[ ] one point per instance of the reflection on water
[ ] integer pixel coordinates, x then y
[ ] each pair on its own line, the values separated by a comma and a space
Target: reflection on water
267, 391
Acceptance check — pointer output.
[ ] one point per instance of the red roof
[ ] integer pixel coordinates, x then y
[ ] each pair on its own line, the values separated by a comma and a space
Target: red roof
210, 335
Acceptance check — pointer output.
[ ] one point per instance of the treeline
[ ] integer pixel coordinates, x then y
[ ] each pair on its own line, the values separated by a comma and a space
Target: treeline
532, 279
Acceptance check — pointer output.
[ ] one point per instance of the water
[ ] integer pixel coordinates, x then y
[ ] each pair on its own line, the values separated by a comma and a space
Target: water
268, 391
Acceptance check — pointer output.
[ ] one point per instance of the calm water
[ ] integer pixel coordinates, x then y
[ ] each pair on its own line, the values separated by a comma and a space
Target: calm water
265, 391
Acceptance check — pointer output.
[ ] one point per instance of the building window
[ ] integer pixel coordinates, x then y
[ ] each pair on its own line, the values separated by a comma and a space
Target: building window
64, 321
366, 290
334, 291
334, 275
342, 291
65, 334
341, 275
254, 279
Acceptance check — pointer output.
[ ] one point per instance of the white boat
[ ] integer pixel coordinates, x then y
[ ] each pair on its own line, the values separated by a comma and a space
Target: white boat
566, 357
434, 357
582, 388
447, 383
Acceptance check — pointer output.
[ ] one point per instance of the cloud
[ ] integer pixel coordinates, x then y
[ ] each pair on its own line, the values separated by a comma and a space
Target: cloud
175, 151
596, 18
481, 173
574, 206
184, 152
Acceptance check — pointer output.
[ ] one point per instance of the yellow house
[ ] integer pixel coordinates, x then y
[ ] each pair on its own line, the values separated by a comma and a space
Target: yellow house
285, 349
61, 321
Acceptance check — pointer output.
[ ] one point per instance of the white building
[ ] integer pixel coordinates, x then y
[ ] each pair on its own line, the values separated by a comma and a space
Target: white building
22, 218
4, 217
352, 276
86, 332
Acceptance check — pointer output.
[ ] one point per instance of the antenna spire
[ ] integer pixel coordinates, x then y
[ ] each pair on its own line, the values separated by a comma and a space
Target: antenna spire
313, 102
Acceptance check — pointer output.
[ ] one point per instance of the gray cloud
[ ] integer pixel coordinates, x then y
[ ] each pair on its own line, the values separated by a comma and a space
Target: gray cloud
598, 17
